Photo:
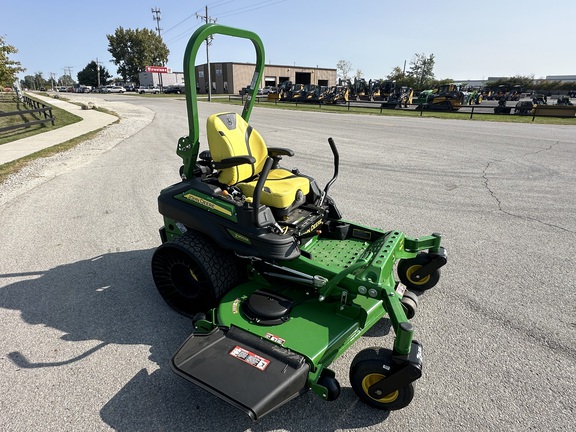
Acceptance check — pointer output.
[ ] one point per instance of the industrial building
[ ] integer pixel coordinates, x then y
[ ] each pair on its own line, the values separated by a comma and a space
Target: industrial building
230, 78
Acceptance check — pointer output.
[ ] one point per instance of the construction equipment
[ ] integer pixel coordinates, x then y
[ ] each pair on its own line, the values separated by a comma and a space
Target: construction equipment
401, 98
337, 94
448, 97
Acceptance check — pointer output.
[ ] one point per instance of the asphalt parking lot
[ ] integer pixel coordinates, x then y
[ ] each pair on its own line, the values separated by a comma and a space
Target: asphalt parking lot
87, 339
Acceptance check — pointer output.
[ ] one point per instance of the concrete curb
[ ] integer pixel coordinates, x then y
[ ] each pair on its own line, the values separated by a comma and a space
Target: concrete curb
91, 121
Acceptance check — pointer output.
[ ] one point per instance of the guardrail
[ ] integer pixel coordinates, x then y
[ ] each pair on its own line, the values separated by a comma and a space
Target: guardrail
558, 111
37, 107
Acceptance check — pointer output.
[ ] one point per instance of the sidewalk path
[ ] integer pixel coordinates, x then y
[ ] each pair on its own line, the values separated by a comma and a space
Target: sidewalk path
91, 120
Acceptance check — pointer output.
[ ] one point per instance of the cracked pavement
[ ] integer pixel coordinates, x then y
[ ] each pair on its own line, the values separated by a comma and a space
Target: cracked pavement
494, 194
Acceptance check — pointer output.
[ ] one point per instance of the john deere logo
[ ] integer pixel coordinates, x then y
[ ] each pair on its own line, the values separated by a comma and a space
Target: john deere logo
208, 204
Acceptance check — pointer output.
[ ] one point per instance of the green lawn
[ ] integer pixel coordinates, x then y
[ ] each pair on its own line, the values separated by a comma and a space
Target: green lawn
9, 103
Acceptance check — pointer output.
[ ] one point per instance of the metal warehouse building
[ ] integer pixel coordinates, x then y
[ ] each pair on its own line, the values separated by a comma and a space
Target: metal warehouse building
231, 77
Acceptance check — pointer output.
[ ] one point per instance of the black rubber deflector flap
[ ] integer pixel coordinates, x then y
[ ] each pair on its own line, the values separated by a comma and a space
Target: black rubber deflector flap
251, 373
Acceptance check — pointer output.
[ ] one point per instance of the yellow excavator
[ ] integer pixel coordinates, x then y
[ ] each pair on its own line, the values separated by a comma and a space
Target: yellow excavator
448, 97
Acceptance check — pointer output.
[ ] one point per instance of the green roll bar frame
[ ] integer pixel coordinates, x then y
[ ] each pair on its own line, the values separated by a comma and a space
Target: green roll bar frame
188, 147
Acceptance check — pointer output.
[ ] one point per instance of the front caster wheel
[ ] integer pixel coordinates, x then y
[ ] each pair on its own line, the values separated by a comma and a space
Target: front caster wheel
369, 367
332, 385
410, 304
407, 268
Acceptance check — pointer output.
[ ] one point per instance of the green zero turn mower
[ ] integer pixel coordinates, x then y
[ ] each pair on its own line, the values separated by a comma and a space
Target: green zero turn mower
277, 284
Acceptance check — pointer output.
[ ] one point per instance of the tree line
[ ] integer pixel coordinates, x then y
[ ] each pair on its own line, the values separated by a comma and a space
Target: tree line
133, 50
420, 76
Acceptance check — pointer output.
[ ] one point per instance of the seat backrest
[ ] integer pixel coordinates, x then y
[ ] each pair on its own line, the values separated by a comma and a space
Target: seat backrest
229, 135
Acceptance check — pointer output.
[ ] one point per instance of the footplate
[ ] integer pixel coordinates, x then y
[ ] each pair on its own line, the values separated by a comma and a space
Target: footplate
253, 374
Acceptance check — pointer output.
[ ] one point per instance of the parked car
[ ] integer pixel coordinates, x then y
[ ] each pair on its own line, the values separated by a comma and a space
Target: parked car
266, 90
244, 90
113, 89
148, 89
83, 89
174, 89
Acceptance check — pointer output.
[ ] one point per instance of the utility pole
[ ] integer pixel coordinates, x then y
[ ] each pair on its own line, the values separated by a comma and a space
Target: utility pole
98, 70
69, 70
52, 75
156, 17
209, 39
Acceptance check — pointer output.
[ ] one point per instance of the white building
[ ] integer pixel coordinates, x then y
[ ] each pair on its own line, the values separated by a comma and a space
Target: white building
161, 79
561, 78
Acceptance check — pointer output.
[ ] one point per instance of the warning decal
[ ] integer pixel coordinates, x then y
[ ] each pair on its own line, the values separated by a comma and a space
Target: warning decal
249, 357
274, 338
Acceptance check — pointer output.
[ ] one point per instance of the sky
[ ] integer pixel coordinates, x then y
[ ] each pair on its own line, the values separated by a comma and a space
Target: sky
470, 40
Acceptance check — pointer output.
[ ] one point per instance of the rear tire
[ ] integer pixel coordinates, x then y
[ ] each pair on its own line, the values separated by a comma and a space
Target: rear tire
192, 273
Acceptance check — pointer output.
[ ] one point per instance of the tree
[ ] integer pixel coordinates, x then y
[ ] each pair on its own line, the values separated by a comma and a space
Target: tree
66, 80
89, 75
40, 81
422, 70
400, 77
28, 82
343, 67
396, 75
133, 50
34, 82
8, 68
358, 74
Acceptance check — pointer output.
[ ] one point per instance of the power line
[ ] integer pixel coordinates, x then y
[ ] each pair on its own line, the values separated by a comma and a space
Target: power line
249, 8
183, 34
227, 13
184, 20
195, 14
219, 3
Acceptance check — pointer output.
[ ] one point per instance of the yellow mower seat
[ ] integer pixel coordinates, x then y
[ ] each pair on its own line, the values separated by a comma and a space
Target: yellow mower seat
229, 136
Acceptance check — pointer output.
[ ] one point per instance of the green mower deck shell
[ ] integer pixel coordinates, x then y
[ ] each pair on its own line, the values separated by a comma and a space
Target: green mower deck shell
332, 324
319, 331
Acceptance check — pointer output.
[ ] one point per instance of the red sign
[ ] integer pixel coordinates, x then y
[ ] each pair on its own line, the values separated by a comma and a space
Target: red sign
158, 69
